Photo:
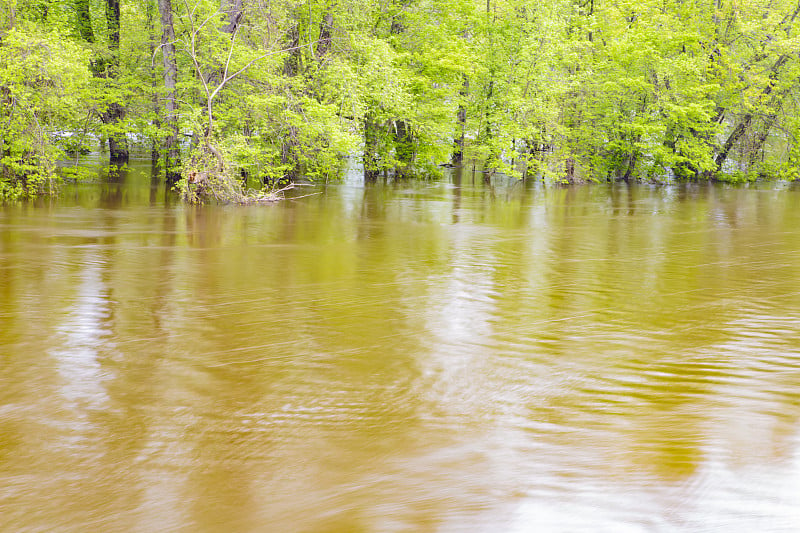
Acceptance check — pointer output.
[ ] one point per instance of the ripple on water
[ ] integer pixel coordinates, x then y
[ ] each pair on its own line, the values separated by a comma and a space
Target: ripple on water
418, 358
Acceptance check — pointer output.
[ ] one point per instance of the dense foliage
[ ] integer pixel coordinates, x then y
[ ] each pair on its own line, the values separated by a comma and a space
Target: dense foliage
258, 92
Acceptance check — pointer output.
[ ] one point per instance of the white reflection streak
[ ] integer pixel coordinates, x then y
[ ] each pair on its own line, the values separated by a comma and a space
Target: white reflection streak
83, 331
460, 320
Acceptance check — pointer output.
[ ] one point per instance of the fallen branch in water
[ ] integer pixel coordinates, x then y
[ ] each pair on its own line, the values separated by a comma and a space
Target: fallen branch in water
201, 186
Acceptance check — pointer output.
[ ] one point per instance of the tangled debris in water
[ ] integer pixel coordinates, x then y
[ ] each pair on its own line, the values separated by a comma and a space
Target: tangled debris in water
201, 187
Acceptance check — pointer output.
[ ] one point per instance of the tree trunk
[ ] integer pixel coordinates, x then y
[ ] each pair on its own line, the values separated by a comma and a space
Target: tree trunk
171, 148
403, 148
461, 120
403, 137
6, 103
113, 20
630, 167
291, 64
155, 148
487, 115
769, 122
737, 132
324, 42
742, 126
289, 140
83, 19
106, 68
115, 112
234, 9
370, 147
569, 169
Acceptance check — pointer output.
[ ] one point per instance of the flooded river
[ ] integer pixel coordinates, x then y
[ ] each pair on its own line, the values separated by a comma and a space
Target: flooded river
417, 356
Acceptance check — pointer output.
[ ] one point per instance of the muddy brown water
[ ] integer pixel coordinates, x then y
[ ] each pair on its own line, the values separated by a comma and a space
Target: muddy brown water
433, 356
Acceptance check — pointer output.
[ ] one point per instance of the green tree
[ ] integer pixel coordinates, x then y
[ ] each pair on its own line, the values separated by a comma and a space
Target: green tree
43, 77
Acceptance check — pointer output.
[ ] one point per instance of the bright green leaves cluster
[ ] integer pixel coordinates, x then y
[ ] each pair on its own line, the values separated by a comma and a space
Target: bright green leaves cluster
43, 78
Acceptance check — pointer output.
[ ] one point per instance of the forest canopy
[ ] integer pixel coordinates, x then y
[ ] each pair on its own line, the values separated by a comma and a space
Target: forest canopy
264, 92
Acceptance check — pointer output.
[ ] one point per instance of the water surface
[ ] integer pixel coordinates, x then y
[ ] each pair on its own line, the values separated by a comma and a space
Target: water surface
435, 356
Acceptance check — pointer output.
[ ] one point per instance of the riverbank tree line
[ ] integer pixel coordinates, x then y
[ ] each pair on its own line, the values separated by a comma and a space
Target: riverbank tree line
251, 93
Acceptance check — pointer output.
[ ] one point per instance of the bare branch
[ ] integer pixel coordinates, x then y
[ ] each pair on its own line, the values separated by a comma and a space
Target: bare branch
157, 49
211, 16
230, 51
251, 62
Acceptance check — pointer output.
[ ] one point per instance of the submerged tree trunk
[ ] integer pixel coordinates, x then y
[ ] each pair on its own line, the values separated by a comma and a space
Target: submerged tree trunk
461, 121
404, 148
171, 148
106, 68
6, 103
487, 116
402, 135
569, 169
370, 159
155, 148
115, 112
629, 168
289, 140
